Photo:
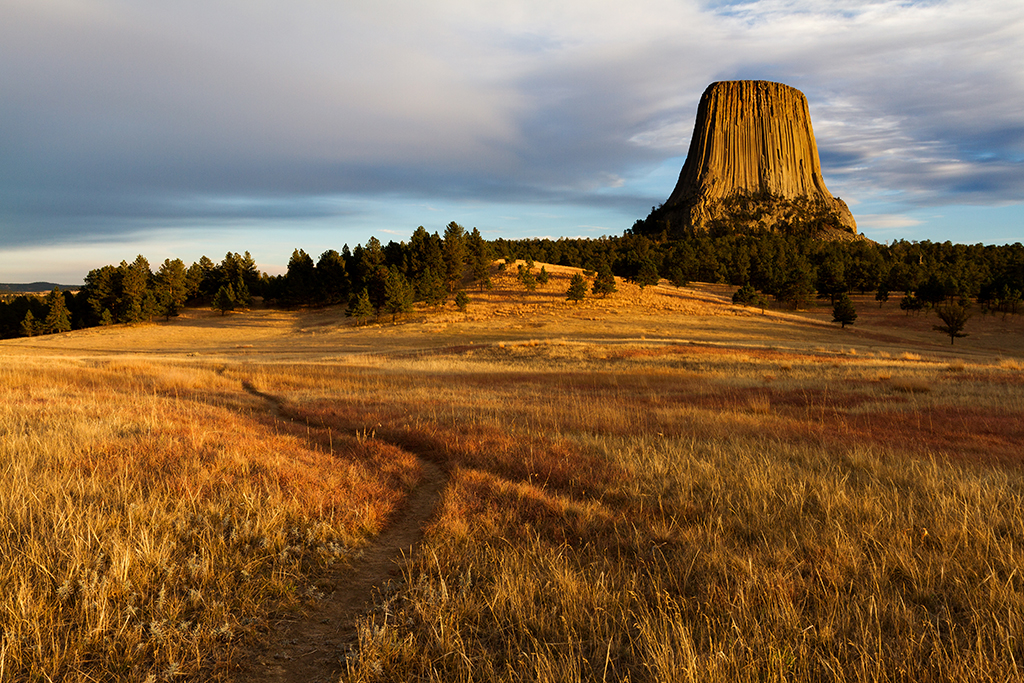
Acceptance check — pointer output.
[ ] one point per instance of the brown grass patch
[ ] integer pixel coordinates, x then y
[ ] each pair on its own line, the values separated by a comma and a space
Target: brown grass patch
910, 385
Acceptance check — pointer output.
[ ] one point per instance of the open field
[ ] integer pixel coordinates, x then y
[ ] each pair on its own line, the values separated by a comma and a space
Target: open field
655, 486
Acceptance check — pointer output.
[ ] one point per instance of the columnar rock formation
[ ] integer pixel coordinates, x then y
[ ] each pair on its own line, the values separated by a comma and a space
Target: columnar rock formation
753, 164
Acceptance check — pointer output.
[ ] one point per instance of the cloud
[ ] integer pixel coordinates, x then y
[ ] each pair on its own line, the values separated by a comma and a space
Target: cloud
886, 222
118, 114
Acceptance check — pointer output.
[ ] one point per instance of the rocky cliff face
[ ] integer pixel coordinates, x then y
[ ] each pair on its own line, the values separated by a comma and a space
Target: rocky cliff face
753, 164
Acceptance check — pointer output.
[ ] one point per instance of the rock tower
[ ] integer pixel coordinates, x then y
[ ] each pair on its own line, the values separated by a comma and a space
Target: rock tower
753, 165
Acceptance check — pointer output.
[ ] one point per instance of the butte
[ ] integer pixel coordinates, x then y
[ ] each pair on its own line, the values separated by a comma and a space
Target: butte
752, 166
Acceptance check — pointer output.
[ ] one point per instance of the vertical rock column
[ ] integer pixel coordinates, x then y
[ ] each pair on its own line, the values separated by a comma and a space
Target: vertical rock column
752, 138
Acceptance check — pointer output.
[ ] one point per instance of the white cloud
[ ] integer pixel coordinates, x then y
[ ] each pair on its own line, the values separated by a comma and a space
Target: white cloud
886, 221
133, 106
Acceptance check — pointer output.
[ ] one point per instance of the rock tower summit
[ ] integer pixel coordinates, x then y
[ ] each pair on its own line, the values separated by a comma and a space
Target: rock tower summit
753, 165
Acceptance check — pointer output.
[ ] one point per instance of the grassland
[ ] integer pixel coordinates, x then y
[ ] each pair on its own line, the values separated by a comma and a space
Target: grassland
655, 486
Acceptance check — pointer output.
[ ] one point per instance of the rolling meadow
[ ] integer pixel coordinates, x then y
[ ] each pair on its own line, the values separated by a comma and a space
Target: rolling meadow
654, 486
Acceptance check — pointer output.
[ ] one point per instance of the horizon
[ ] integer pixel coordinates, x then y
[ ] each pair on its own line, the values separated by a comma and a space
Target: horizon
203, 128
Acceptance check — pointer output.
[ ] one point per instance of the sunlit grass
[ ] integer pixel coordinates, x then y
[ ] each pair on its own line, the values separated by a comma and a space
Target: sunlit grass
153, 515
706, 503
689, 521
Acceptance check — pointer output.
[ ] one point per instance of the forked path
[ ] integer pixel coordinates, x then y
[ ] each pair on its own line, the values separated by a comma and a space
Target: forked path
312, 646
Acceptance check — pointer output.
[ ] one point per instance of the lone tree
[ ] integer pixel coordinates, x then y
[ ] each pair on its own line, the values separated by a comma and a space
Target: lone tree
844, 312
577, 288
955, 316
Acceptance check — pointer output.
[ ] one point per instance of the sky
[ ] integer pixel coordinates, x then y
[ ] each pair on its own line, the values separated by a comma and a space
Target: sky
177, 129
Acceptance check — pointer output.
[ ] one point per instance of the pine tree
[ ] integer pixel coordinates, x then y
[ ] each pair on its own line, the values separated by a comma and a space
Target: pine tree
844, 312
376, 287
398, 294
300, 280
134, 283
208, 284
745, 295
604, 284
647, 275
150, 305
425, 252
101, 287
543, 276
29, 327
369, 260
677, 277
454, 254
193, 281
461, 300
332, 283
577, 288
480, 258
360, 307
430, 288
224, 299
171, 287
797, 283
528, 279
58, 317
251, 278
237, 271
832, 278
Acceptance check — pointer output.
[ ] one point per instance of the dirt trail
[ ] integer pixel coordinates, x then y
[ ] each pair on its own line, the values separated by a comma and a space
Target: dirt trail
311, 647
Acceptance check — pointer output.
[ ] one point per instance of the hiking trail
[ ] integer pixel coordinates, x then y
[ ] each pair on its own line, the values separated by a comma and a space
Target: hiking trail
313, 645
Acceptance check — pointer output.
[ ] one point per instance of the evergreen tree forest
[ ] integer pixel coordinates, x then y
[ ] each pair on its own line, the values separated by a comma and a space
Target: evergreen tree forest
789, 270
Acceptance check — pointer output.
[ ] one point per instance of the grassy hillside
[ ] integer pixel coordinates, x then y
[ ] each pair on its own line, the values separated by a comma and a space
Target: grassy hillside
654, 486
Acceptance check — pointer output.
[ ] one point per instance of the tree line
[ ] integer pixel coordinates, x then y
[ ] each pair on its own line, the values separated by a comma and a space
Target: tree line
794, 269
372, 280
132, 293
375, 279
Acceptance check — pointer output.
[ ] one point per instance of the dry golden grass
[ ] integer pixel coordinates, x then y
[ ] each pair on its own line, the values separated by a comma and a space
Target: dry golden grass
657, 486
677, 520
153, 515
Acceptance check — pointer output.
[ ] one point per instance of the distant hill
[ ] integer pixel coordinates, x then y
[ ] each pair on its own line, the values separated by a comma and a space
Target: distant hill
33, 287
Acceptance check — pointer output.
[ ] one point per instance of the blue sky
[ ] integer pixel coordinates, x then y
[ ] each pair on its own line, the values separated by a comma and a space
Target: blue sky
203, 126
